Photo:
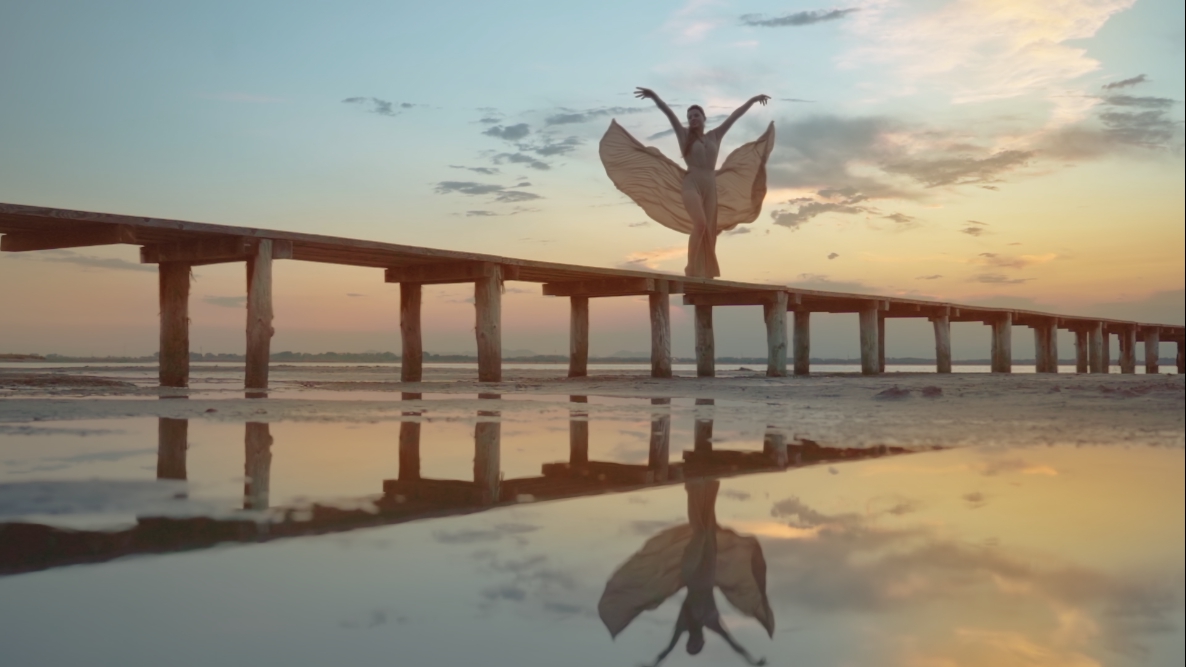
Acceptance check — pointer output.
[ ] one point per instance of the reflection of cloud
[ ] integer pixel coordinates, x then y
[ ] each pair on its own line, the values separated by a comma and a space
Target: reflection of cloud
492, 534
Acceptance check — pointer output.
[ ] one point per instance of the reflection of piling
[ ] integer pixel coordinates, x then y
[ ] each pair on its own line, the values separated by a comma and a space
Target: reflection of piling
487, 442
774, 444
409, 443
172, 439
257, 466
659, 453
702, 434
578, 432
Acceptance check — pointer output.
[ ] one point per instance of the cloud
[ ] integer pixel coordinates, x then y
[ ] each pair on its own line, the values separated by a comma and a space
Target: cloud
354, 294
997, 279
651, 259
737, 230
962, 170
488, 171
1125, 83
903, 221
481, 214
1142, 102
88, 261
493, 534
550, 147
932, 277
508, 133
805, 212
1010, 262
833, 255
226, 301
519, 158
796, 19
569, 116
381, 107
501, 194
975, 228
641, 223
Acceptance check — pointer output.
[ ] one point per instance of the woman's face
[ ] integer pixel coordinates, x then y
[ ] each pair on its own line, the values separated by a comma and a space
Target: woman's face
695, 118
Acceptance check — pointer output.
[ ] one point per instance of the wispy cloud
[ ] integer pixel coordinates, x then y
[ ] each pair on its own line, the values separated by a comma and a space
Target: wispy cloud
931, 277
88, 261
975, 228
997, 279
487, 171
520, 158
502, 194
379, 106
226, 301
796, 19
833, 255
1125, 83
508, 133
651, 259
998, 260
571, 116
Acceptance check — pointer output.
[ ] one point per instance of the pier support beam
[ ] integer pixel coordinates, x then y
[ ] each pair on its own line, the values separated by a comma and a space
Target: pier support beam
172, 442
412, 358
705, 343
942, 324
775, 313
1082, 351
870, 345
1181, 358
1002, 343
660, 304
880, 342
1046, 346
802, 342
259, 316
257, 466
1152, 350
488, 304
1097, 348
578, 337
174, 303
1128, 350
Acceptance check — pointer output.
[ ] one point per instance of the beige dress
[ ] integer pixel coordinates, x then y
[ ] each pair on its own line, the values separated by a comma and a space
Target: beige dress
703, 203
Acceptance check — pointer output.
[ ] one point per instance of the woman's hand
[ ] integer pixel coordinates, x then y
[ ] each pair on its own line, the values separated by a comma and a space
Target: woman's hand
760, 99
645, 93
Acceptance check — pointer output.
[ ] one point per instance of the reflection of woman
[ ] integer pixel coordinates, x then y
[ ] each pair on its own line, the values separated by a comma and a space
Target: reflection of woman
700, 556
699, 201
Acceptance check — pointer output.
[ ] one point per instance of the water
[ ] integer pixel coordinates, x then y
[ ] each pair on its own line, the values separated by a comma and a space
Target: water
488, 532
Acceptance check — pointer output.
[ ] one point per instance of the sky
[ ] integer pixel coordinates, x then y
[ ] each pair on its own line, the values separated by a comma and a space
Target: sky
994, 152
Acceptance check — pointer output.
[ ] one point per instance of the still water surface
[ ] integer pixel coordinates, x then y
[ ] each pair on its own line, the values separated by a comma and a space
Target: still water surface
520, 537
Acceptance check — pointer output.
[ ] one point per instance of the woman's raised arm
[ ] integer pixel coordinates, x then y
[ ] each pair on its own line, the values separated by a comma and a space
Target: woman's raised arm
648, 94
724, 127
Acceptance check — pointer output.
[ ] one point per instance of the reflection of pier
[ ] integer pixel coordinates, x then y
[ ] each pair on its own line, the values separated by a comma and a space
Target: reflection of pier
28, 547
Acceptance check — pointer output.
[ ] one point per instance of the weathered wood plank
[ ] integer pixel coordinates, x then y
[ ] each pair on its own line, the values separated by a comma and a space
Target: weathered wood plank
942, 325
411, 336
172, 443
449, 273
705, 343
1002, 344
174, 285
105, 235
869, 343
259, 316
488, 304
756, 298
802, 342
660, 307
612, 287
1152, 350
578, 337
212, 250
775, 314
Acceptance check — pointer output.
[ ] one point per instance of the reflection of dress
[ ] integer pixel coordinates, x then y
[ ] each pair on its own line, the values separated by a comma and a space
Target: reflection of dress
658, 185
677, 557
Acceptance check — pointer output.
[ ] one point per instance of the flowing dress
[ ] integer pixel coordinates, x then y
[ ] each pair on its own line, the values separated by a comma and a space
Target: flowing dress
729, 196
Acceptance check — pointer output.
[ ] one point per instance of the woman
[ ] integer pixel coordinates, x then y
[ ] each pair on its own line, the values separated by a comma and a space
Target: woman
699, 201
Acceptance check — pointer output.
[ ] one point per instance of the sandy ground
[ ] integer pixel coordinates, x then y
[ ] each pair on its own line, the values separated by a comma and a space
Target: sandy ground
908, 409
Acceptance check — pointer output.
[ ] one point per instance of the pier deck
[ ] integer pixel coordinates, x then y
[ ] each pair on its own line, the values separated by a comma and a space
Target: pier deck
176, 245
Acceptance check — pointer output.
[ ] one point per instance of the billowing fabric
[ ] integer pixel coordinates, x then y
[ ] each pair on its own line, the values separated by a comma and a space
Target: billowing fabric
669, 559
656, 183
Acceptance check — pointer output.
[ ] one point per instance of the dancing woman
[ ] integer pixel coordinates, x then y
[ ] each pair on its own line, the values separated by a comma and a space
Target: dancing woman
700, 201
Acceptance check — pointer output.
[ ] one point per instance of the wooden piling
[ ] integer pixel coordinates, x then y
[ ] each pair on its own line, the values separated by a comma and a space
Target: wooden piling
1128, 350
257, 466
880, 342
660, 305
802, 342
1082, 351
1002, 343
259, 316
1181, 359
705, 343
660, 445
1097, 348
775, 314
488, 304
1046, 346
774, 445
172, 443
412, 356
870, 364
942, 324
174, 303
702, 427
1152, 350
578, 337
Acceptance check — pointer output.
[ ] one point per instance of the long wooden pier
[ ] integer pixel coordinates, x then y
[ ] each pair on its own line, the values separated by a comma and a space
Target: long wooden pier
175, 246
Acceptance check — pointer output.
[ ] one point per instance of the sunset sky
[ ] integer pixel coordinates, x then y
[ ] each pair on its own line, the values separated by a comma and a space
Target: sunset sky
1003, 152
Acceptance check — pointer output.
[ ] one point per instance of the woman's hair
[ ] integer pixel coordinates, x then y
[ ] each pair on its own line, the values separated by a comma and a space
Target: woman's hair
694, 134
